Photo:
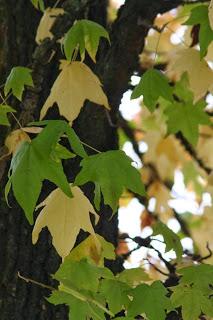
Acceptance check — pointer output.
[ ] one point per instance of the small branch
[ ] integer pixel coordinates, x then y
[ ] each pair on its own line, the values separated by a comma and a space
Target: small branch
192, 153
40, 284
156, 268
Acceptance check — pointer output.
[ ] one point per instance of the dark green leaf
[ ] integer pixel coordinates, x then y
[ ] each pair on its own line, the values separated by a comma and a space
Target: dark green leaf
172, 241
113, 171
116, 294
192, 301
17, 79
151, 300
33, 163
184, 115
199, 16
4, 110
84, 35
153, 85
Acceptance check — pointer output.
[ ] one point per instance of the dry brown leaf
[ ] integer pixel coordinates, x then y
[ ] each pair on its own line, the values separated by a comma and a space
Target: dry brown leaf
74, 85
14, 140
64, 218
200, 74
46, 23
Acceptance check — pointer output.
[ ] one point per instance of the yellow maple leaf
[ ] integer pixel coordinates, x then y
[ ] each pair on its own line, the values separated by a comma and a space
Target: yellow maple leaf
74, 85
211, 14
14, 140
200, 74
162, 195
46, 23
64, 218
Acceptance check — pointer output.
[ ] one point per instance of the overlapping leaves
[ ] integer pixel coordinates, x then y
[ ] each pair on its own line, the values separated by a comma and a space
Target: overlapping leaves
35, 161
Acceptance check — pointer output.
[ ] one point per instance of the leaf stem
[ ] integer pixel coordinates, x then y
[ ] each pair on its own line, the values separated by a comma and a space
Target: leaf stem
90, 147
5, 102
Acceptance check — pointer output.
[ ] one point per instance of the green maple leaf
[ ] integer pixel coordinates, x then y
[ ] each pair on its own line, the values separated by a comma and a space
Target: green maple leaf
199, 15
84, 35
81, 274
192, 301
153, 84
116, 293
79, 309
17, 79
201, 276
40, 160
172, 241
79, 283
185, 116
113, 171
4, 110
150, 300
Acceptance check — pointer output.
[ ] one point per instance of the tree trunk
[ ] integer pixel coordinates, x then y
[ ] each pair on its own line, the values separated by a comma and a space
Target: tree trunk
18, 22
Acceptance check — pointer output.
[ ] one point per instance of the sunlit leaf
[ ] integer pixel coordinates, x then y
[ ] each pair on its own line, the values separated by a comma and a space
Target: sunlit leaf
74, 85
64, 217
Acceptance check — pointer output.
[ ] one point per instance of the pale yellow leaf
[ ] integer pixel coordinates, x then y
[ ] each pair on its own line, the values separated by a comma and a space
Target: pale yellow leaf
46, 23
162, 195
64, 218
74, 85
211, 14
200, 74
14, 140
32, 129
203, 233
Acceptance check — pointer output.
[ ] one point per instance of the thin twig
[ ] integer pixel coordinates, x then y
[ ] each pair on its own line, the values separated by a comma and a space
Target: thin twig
40, 284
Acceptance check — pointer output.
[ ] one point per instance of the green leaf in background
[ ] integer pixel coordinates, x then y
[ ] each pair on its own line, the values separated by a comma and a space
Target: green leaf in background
113, 171
17, 79
38, 4
4, 110
116, 293
199, 16
153, 85
151, 300
185, 116
171, 240
84, 35
133, 276
192, 301
33, 163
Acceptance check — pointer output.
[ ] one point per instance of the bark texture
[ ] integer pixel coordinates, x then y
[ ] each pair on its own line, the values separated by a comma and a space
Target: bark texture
116, 63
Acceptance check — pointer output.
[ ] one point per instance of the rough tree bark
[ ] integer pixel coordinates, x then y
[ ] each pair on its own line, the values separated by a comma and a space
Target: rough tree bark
116, 63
